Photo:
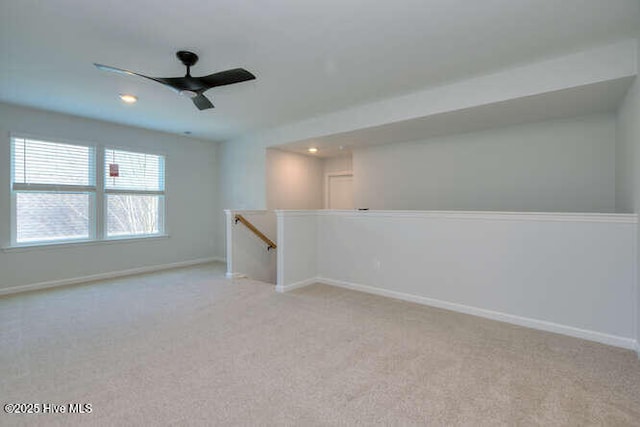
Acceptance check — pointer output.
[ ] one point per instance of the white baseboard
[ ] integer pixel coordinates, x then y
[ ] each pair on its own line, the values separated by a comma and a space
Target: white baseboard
613, 340
230, 275
219, 259
297, 285
103, 276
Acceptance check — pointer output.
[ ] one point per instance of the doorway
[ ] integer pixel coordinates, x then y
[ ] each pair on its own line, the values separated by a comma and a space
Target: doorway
339, 190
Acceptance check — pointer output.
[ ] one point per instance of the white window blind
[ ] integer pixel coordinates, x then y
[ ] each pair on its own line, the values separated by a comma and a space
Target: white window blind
52, 163
135, 171
54, 190
134, 193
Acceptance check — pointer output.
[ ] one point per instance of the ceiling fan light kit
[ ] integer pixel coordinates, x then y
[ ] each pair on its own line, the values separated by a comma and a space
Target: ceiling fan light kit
128, 99
189, 86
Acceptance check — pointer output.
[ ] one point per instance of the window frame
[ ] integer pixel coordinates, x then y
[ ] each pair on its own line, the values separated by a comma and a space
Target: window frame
97, 195
105, 191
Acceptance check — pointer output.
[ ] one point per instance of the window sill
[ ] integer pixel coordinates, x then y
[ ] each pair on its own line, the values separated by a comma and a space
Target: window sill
80, 243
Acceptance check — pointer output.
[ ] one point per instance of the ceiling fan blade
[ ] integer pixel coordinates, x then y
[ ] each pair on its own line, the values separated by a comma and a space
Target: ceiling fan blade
202, 102
180, 83
188, 85
127, 72
228, 77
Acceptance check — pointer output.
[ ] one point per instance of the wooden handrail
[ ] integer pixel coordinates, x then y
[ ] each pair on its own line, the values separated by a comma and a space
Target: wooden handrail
268, 241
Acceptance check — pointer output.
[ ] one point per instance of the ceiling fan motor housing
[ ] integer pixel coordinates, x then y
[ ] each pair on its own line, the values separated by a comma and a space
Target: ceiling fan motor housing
187, 58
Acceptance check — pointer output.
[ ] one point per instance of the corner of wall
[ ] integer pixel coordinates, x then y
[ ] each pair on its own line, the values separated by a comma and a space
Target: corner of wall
628, 169
242, 174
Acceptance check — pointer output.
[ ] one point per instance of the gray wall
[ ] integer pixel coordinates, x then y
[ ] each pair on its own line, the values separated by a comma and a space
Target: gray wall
553, 166
191, 200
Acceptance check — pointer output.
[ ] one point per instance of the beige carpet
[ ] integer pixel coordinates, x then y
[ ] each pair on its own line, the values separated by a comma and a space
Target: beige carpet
188, 347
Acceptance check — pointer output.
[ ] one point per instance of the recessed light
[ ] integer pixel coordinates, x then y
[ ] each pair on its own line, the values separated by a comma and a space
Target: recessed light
129, 99
313, 150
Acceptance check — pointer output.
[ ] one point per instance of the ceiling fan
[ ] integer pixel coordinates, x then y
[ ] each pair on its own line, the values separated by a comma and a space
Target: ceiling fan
192, 87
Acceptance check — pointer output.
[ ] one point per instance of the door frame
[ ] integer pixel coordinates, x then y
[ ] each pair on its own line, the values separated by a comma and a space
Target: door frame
327, 177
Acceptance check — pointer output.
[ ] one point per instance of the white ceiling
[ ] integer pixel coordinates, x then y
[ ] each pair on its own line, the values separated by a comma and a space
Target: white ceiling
310, 57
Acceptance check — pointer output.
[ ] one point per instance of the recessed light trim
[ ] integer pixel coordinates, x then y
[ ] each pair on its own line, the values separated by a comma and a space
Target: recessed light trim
312, 150
128, 99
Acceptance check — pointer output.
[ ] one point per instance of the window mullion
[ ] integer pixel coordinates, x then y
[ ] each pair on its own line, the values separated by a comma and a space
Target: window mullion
100, 209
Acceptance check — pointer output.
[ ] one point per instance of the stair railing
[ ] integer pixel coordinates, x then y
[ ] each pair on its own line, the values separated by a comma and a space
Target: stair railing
270, 243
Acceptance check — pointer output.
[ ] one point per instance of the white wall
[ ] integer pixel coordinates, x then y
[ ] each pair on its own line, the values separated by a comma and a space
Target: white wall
338, 164
628, 151
567, 273
247, 255
243, 160
294, 181
191, 185
628, 163
297, 249
242, 181
553, 166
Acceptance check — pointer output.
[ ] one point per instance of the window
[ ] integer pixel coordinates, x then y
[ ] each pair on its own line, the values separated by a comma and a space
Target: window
134, 193
53, 191
56, 194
